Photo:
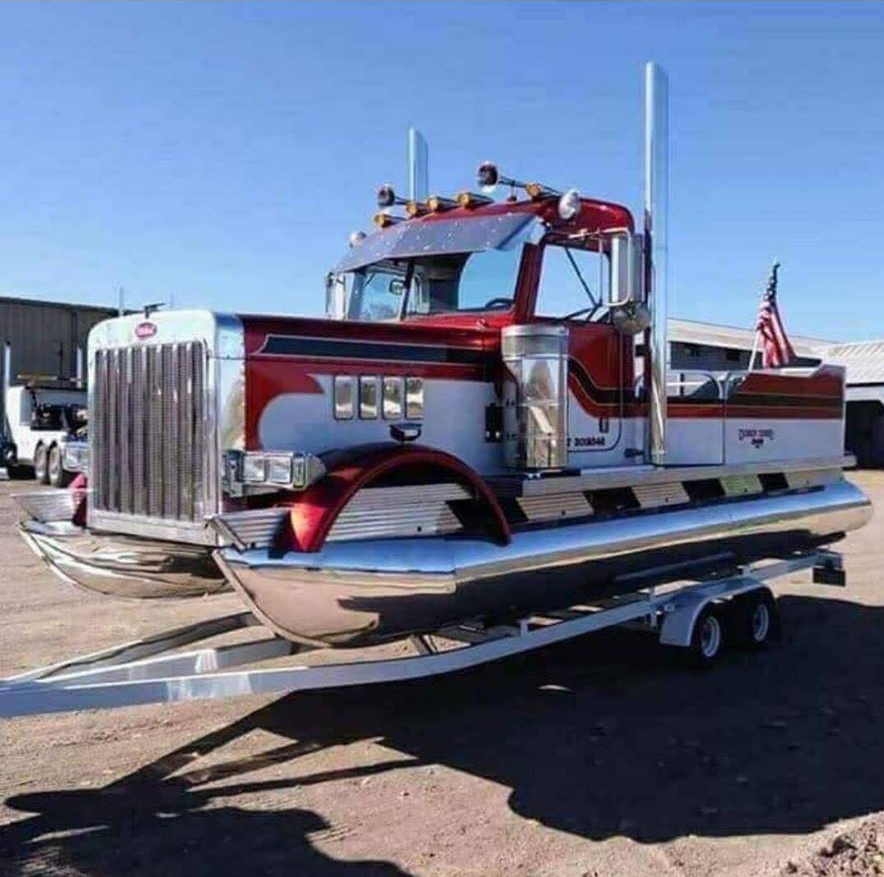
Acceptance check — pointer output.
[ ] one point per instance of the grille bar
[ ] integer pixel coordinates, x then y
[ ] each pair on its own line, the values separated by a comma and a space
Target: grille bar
149, 431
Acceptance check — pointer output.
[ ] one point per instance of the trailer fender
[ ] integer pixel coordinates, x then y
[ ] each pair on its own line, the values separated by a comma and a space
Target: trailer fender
314, 512
681, 614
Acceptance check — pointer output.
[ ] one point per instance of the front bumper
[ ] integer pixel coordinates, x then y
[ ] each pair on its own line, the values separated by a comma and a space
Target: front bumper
123, 566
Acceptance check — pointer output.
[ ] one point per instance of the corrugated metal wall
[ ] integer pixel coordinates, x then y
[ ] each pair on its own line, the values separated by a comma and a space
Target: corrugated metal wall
45, 336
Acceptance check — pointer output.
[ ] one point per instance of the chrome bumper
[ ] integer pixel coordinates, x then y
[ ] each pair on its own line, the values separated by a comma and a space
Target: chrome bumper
122, 566
361, 592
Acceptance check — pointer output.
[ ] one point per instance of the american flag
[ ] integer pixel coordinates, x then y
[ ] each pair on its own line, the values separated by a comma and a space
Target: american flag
770, 335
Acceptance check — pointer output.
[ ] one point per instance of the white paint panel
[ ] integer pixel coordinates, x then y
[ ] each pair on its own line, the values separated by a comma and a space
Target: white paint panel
454, 421
753, 441
589, 447
694, 442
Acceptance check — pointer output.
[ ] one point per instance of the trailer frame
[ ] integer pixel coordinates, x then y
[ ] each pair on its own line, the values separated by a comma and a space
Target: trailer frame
149, 671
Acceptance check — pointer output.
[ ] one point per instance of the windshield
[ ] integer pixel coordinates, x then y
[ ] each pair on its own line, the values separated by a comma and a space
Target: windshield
437, 284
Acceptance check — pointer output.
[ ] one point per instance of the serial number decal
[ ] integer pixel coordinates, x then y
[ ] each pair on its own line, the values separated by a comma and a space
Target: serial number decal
587, 441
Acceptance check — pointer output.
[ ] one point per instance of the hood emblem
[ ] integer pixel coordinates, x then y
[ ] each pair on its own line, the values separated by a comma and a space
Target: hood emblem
145, 330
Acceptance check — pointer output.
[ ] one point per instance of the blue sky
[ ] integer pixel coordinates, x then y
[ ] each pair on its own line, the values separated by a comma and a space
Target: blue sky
222, 153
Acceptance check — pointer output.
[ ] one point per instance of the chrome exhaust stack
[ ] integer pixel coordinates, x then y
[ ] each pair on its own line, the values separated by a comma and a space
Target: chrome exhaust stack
655, 254
418, 166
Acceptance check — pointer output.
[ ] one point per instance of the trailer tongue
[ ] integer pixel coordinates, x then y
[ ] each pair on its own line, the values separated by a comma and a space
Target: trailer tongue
487, 435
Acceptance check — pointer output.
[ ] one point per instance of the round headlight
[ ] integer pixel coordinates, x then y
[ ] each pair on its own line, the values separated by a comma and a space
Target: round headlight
386, 196
569, 204
488, 176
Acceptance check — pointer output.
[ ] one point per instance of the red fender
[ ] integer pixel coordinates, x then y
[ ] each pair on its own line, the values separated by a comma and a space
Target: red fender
316, 510
79, 485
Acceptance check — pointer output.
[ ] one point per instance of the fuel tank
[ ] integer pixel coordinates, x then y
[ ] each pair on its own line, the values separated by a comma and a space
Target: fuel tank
365, 592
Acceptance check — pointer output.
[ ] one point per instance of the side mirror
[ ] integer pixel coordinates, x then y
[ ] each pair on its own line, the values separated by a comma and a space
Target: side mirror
623, 287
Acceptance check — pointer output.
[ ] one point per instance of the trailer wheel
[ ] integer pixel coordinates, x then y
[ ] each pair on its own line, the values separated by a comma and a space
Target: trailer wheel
754, 619
41, 465
57, 476
707, 638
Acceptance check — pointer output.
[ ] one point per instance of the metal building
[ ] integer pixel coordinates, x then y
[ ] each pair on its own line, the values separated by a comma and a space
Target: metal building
695, 346
45, 336
864, 361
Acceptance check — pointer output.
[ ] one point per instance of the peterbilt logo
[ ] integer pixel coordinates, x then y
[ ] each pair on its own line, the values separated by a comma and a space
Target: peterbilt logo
145, 330
756, 437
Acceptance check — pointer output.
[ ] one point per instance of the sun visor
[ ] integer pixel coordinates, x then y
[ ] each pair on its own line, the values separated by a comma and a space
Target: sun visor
468, 235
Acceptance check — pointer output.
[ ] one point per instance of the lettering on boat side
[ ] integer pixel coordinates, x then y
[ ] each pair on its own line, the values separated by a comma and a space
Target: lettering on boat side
756, 437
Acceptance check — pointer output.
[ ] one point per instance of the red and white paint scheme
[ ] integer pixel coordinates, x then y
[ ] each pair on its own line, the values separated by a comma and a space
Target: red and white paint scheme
484, 426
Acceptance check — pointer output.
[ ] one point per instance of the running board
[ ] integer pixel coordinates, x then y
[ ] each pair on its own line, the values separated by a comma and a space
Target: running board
142, 672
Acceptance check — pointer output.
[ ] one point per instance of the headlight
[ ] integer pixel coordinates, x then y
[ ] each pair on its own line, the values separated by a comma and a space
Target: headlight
280, 470
569, 204
254, 468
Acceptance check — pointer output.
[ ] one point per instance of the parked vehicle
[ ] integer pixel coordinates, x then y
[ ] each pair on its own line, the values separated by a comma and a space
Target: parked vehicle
44, 434
470, 441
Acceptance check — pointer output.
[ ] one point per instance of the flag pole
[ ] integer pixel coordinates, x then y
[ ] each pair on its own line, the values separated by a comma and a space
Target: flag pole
771, 290
754, 352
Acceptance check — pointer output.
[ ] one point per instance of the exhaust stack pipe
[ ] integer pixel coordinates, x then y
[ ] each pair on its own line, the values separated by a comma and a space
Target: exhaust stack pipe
655, 252
79, 367
418, 166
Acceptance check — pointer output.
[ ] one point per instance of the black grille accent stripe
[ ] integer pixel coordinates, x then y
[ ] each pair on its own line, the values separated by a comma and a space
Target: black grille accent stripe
339, 348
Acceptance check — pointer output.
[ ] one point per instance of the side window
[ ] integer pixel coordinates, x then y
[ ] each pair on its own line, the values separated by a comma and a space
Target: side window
572, 283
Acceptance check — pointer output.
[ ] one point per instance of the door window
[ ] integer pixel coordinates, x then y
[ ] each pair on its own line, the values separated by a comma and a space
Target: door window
572, 284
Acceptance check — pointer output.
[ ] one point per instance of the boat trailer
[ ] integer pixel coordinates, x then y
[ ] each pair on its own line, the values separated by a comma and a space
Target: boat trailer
144, 671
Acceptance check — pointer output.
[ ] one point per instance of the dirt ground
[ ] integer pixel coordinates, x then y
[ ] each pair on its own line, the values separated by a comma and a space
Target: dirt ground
597, 757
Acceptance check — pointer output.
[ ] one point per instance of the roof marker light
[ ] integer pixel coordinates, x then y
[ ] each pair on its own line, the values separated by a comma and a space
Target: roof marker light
538, 190
437, 203
356, 238
416, 208
471, 199
382, 219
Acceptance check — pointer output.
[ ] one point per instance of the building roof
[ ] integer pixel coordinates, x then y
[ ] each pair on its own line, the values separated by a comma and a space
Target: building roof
712, 335
864, 360
45, 303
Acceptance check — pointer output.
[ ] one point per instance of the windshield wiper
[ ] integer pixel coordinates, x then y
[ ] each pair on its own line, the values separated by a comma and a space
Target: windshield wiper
596, 303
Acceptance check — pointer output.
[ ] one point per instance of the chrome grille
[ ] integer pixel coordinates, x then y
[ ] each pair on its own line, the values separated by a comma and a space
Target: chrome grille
149, 431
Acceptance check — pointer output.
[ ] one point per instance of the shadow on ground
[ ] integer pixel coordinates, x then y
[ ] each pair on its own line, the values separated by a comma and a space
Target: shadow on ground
596, 737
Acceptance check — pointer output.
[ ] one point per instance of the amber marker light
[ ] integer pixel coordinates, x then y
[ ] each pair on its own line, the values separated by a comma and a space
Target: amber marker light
471, 199
437, 203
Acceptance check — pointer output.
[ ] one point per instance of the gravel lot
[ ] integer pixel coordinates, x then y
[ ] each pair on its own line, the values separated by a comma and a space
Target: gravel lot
597, 757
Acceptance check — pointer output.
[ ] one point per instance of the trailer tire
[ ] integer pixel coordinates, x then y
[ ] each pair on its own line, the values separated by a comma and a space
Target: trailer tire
41, 464
754, 620
57, 477
707, 638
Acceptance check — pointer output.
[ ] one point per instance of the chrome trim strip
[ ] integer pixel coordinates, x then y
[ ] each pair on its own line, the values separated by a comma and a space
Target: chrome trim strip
49, 505
630, 476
